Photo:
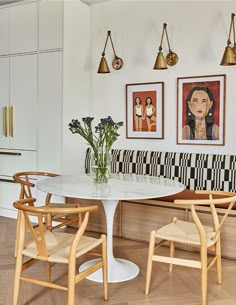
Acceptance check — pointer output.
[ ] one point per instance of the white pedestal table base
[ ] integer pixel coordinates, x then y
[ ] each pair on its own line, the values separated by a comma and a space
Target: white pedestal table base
119, 270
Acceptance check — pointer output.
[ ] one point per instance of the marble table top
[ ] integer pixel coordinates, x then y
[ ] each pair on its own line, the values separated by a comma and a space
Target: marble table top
119, 187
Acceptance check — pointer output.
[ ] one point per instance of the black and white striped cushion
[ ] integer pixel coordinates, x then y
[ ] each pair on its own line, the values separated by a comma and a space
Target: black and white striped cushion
195, 171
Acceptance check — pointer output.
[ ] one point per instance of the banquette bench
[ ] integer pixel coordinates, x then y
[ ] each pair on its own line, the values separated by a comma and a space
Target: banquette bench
135, 219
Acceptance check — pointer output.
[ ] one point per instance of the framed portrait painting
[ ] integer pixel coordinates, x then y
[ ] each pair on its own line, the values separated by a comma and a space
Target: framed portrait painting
201, 110
145, 110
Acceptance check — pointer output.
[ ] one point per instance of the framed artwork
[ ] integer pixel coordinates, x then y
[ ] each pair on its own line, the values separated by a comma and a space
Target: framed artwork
201, 110
145, 110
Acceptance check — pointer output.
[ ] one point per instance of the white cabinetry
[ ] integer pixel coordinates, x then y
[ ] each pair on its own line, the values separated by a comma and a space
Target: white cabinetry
4, 31
8, 196
31, 92
50, 111
23, 98
50, 24
12, 161
18, 87
24, 28
18, 142
4, 101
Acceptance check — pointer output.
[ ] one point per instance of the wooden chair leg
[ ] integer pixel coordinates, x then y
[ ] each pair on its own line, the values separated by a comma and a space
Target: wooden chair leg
71, 283
149, 263
204, 275
172, 253
172, 246
18, 271
49, 222
218, 263
48, 271
104, 269
17, 232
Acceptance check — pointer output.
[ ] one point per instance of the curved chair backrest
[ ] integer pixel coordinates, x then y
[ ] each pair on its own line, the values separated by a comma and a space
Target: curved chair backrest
214, 198
40, 233
26, 184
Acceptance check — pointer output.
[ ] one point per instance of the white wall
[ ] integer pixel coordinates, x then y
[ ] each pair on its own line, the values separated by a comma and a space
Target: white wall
198, 33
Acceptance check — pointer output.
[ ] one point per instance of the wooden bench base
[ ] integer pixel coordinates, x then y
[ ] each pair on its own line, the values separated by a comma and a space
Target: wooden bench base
136, 219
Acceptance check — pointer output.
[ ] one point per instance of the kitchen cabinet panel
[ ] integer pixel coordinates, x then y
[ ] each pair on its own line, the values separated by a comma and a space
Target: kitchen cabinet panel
12, 161
23, 100
4, 101
8, 194
4, 31
18, 100
50, 24
24, 28
50, 111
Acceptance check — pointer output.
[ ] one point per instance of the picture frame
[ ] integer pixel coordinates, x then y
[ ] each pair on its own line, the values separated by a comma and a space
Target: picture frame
145, 110
201, 110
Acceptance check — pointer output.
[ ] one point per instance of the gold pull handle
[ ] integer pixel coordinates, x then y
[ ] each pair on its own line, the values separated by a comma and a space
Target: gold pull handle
11, 127
9, 153
7, 180
4, 127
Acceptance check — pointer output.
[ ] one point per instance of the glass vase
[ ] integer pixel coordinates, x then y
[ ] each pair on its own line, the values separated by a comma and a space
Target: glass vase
100, 166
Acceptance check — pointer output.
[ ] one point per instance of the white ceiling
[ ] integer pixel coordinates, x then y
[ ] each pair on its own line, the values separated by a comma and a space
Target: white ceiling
89, 2
7, 1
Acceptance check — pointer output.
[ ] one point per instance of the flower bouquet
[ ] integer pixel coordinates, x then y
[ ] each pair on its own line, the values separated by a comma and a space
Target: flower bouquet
101, 141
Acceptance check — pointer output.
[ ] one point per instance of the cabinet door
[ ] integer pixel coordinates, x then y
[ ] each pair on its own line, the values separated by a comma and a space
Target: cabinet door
9, 192
50, 24
23, 28
4, 31
50, 111
13, 161
23, 100
4, 102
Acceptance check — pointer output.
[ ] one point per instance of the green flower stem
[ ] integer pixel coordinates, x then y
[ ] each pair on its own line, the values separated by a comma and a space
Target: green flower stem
101, 168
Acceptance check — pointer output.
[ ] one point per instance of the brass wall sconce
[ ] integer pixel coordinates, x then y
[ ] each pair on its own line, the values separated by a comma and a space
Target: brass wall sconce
117, 62
171, 58
229, 56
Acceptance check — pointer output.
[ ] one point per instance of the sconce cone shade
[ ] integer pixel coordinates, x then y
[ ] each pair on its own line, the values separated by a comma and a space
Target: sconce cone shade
160, 63
103, 66
229, 57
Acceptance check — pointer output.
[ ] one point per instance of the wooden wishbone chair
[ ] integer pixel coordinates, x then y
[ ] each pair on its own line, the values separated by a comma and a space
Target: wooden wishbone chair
55, 247
27, 189
195, 235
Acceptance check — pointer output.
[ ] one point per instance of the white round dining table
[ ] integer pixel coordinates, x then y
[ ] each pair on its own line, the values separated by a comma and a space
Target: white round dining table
119, 187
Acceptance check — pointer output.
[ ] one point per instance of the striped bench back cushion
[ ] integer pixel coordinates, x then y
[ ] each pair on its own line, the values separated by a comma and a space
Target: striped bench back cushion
195, 171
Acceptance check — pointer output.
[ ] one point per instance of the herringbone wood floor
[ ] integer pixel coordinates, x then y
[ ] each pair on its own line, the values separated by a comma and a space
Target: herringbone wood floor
182, 287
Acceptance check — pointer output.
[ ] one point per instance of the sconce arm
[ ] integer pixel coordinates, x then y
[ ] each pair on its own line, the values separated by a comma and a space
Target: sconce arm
233, 15
167, 38
108, 35
112, 45
162, 35
230, 29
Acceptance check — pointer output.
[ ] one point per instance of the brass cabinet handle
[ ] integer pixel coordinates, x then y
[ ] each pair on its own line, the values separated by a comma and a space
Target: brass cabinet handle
4, 127
11, 127
9, 153
7, 180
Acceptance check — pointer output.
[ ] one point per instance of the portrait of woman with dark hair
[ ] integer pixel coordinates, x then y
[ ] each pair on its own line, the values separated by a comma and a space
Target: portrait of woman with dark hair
199, 123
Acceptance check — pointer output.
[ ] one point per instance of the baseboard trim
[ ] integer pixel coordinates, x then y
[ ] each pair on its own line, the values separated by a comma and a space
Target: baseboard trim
8, 213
